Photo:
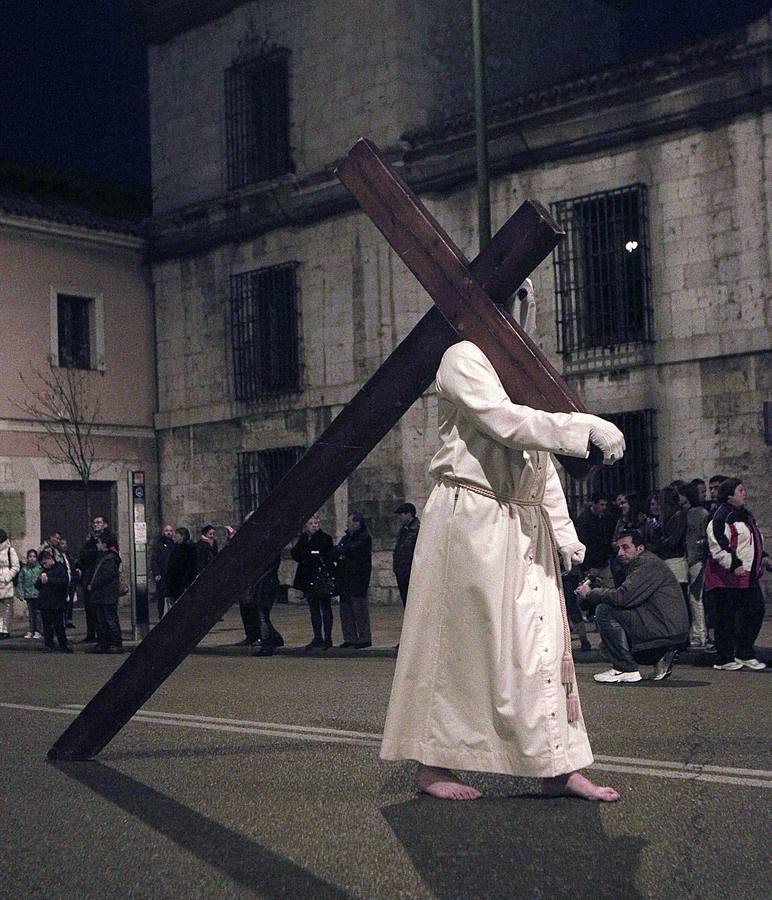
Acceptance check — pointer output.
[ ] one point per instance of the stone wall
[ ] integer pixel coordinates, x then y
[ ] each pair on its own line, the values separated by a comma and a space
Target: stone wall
706, 375
411, 64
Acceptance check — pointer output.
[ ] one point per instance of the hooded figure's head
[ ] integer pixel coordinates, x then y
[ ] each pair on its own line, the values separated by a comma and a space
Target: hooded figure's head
522, 307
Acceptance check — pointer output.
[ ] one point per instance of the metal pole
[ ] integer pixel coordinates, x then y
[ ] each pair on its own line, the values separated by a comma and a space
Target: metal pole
140, 613
481, 139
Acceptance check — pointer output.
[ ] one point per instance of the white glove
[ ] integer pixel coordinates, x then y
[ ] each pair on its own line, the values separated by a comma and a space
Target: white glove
572, 555
606, 437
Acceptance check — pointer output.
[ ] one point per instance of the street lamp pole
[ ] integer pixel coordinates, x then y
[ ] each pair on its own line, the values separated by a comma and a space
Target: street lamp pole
481, 139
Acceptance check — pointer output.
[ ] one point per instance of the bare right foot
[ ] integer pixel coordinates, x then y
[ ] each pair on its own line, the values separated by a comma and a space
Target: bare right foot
576, 785
443, 784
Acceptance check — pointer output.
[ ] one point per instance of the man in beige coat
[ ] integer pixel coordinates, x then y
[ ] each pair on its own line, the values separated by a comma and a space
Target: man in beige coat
484, 679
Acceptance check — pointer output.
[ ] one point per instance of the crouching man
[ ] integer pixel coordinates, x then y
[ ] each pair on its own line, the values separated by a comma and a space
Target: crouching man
644, 620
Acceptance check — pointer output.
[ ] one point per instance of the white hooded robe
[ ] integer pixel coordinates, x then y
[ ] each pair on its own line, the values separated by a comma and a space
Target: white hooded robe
478, 677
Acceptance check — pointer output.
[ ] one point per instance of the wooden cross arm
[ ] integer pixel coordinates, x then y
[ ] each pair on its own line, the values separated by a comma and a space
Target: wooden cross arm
463, 294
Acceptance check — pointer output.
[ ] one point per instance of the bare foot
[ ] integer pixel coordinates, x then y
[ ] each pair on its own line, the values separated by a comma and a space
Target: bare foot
576, 785
443, 784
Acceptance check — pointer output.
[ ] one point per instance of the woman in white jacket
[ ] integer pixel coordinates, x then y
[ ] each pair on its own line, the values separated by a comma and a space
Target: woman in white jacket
9, 569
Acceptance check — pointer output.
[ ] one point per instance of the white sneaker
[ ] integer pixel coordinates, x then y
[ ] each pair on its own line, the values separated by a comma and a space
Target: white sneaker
755, 664
614, 676
731, 666
28, 636
38, 636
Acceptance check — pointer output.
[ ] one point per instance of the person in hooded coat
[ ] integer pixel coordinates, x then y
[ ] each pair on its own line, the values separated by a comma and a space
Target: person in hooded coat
484, 679
104, 590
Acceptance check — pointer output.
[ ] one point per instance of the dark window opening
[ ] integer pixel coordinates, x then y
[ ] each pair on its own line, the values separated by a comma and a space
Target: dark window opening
264, 330
73, 320
259, 473
635, 475
257, 119
602, 281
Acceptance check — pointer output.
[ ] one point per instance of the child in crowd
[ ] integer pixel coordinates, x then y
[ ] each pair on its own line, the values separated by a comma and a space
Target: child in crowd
52, 601
28, 575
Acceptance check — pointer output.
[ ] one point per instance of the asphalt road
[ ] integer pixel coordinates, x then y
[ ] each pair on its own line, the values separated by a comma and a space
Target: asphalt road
249, 777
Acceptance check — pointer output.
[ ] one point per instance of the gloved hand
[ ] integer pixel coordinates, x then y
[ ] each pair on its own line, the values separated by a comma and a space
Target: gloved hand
572, 555
606, 436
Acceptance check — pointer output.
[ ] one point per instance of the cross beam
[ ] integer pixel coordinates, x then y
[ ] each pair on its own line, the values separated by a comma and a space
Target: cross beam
464, 294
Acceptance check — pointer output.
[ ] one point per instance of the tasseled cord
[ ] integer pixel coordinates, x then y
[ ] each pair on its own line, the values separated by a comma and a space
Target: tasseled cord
567, 673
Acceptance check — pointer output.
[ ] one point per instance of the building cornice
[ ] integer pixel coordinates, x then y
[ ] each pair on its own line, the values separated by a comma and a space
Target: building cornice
161, 20
647, 75
69, 223
693, 87
33, 426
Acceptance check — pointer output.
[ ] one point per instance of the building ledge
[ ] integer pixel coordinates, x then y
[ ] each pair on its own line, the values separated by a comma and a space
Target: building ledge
694, 87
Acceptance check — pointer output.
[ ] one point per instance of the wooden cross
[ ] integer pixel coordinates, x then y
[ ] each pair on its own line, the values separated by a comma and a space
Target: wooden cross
465, 295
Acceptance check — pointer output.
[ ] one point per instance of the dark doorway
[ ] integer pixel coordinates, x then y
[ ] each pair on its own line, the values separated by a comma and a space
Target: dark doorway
62, 508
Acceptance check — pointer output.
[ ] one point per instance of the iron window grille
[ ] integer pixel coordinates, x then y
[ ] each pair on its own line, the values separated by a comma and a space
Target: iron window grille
264, 332
259, 473
634, 475
602, 271
257, 119
73, 316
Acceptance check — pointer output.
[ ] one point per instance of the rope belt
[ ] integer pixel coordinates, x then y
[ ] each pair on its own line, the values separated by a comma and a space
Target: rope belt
567, 673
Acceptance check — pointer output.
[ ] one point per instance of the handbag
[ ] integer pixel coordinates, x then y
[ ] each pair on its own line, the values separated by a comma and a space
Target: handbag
324, 581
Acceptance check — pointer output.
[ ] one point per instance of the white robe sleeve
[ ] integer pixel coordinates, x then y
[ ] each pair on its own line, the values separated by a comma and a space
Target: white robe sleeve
467, 379
557, 510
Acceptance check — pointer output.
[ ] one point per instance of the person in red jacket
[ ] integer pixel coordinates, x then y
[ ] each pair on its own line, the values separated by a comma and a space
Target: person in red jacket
732, 574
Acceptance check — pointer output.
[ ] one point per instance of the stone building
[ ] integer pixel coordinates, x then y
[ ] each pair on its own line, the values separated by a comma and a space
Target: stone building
76, 304
276, 298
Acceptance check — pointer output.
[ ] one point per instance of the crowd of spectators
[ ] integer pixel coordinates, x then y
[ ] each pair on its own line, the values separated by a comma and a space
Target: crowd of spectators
50, 579
705, 536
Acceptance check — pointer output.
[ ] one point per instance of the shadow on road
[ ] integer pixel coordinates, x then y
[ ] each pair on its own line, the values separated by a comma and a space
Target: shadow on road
241, 859
516, 846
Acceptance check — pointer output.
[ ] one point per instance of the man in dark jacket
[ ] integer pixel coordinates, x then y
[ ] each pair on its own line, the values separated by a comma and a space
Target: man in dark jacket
52, 587
159, 562
88, 559
646, 615
405, 547
595, 529
353, 557
104, 589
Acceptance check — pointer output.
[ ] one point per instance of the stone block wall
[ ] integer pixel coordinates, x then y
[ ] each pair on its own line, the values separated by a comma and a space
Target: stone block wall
412, 64
705, 376
706, 380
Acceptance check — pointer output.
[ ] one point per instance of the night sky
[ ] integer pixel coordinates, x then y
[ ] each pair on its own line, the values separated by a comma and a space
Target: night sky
73, 82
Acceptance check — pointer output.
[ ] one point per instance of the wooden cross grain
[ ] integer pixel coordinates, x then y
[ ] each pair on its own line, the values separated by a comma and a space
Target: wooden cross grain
465, 295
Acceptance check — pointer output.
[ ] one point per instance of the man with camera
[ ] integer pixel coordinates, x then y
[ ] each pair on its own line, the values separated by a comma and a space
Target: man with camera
644, 620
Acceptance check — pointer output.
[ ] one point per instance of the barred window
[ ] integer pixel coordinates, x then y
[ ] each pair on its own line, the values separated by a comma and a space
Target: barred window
257, 119
264, 332
634, 475
73, 316
260, 471
602, 281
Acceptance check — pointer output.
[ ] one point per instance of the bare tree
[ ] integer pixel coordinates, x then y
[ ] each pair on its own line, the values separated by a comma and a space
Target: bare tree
59, 400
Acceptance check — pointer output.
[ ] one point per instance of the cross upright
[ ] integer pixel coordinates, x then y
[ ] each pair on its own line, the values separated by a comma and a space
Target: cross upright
465, 295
